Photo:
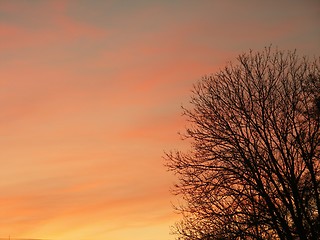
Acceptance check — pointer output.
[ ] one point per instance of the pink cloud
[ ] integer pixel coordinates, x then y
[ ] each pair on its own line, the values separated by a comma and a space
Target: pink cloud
59, 28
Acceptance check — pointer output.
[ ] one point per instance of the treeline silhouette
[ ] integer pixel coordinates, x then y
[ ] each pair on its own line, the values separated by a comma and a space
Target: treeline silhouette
253, 170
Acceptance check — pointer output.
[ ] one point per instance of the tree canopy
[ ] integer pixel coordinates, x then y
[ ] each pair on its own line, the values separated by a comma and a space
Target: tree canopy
253, 169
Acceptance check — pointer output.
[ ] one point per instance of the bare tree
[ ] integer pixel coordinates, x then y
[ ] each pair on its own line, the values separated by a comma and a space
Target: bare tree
253, 170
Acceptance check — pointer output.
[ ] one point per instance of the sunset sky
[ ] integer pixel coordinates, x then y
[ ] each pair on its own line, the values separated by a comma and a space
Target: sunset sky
90, 96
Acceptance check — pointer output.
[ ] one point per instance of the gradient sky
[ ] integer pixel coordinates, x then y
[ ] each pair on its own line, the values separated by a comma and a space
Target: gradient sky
90, 96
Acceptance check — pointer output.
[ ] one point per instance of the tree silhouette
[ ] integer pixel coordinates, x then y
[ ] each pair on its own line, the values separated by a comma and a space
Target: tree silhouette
253, 170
